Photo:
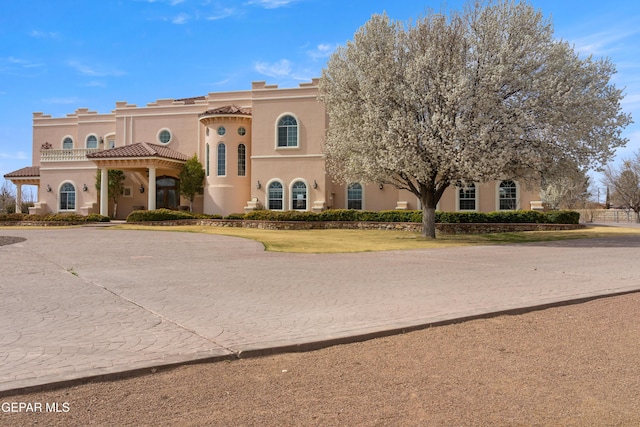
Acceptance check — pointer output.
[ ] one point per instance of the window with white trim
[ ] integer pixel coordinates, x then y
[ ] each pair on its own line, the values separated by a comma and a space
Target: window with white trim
299, 196
354, 196
242, 160
92, 141
67, 143
67, 197
467, 198
275, 194
288, 131
222, 159
508, 195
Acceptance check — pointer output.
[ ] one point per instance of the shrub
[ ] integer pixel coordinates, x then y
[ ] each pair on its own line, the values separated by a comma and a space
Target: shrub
562, 217
97, 218
235, 216
158, 215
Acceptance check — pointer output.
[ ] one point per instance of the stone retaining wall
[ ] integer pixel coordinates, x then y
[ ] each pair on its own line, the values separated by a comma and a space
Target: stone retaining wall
467, 228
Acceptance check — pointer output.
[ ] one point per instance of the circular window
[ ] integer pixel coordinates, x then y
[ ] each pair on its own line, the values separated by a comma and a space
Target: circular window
164, 136
221, 130
242, 131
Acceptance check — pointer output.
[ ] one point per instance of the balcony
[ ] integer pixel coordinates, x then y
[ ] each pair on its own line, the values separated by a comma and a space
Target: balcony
69, 155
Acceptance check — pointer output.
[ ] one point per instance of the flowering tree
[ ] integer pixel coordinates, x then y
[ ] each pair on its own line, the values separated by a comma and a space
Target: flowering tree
486, 93
625, 182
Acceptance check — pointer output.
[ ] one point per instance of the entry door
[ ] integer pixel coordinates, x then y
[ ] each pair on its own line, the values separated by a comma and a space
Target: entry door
167, 192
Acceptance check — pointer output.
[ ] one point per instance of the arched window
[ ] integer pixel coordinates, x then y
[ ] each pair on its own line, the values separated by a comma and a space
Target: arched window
242, 160
354, 196
222, 159
299, 196
467, 198
288, 132
92, 141
508, 195
207, 158
67, 197
67, 143
276, 196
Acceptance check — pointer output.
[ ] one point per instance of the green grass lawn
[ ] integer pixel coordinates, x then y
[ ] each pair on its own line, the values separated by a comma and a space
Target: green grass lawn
342, 241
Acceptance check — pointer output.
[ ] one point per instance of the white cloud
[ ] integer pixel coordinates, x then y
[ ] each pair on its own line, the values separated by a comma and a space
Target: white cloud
44, 34
221, 14
181, 18
64, 101
96, 70
323, 50
22, 63
271, 4
278, 69
603, 43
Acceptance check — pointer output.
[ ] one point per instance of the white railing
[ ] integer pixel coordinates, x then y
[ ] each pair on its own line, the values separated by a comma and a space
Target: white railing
70, 155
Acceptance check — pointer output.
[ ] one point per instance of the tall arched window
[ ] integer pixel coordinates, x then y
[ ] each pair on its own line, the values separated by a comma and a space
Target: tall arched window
67, 143
288, 132
467, 198
92, 141
299, 196
508, 195
354, 196
222, 159
206, 161
242, 160
276, 196
67, 197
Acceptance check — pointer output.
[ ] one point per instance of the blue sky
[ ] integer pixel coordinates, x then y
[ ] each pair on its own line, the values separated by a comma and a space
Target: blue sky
57, 56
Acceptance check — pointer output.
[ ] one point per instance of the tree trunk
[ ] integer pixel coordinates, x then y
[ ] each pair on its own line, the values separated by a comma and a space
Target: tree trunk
637, 216
428, 222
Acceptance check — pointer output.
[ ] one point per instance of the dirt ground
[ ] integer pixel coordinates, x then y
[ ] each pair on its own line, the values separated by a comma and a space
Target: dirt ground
576, 365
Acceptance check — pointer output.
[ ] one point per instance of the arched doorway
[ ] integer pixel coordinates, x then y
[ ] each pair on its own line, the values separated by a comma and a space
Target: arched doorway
167, 192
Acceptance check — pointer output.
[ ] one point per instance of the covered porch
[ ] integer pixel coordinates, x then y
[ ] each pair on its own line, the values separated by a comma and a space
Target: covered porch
29, 175
146, 163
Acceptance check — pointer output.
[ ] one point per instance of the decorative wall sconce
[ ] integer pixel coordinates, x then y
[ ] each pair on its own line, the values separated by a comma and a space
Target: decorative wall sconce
84, 187
258, 185
101, 140
381, 186
141, 189
48, 188
315, 184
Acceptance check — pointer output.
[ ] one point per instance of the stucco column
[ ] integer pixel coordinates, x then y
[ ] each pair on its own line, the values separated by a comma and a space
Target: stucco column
152, 189
18, 198
104, 191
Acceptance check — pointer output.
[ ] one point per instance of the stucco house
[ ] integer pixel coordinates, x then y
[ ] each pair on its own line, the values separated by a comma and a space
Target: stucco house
261, 148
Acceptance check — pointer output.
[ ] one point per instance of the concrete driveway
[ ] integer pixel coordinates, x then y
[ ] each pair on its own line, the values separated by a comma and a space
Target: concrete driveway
95, 301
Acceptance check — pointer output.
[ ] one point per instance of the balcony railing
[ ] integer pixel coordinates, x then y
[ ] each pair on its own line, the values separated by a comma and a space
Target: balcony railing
69, 155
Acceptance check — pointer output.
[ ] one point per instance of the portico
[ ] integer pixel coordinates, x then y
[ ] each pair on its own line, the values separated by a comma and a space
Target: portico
144, 161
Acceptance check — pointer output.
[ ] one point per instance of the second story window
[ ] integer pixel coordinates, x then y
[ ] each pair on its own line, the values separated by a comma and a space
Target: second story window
288, 132
92, 141
67, 144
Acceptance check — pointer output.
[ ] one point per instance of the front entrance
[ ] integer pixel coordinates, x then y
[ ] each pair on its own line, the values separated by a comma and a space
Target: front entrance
167, 192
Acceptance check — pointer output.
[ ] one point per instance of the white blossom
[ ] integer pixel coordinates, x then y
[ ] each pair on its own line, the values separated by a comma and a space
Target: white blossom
485, 93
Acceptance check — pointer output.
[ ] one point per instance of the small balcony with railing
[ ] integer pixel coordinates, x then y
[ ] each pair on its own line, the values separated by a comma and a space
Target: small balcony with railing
66, 155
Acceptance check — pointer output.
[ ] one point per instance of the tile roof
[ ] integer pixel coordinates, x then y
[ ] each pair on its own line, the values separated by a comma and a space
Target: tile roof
228, 110
139, 150
28, 172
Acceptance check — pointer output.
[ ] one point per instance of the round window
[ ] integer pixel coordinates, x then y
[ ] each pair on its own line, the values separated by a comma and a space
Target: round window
221, 130
242, 131
164, 136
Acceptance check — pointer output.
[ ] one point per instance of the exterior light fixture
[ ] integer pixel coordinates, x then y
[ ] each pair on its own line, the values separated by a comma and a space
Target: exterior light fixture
48, 188
258, 185
101, 140
315, 184
141, 189
84, 187
381, 186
